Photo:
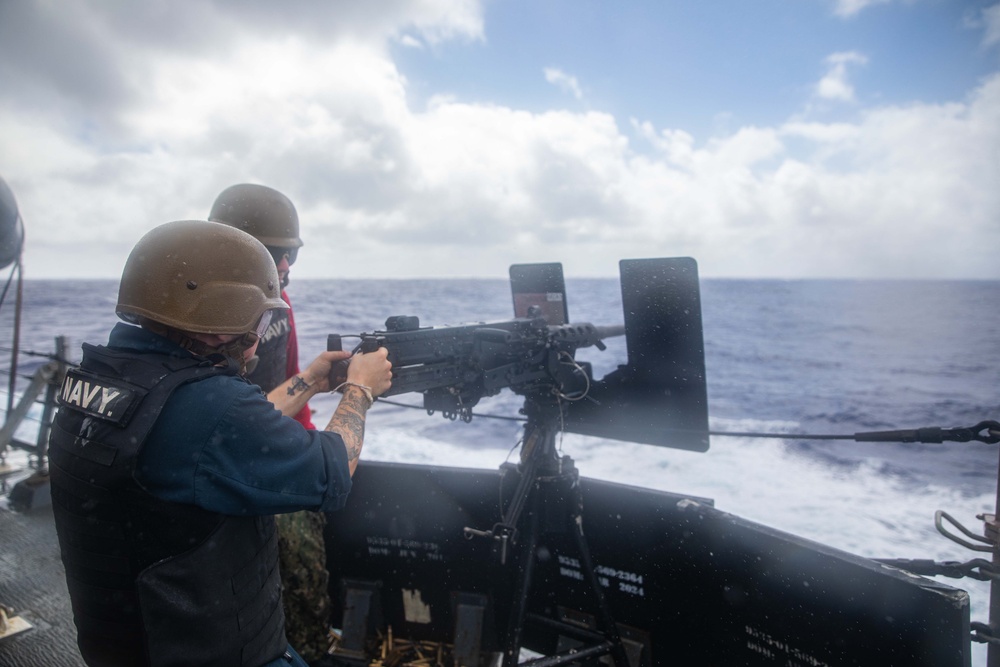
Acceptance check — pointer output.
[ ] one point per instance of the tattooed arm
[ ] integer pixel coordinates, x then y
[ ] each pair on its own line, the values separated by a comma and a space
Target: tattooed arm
371, 371
349, 422
368, 376
295, 392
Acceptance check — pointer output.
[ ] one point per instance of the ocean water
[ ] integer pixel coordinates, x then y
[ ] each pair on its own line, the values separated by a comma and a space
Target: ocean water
810, 357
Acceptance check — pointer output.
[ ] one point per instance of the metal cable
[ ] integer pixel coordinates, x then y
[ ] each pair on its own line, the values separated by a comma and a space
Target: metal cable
985, 431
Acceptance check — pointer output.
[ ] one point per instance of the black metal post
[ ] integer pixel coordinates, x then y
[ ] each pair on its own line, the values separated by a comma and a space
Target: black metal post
548, 478
525, 569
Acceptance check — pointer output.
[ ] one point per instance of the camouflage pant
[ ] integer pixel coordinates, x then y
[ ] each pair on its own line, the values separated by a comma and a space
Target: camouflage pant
304, 579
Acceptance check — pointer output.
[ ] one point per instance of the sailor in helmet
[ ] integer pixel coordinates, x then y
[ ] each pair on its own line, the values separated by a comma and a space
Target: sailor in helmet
270, 217
167, 465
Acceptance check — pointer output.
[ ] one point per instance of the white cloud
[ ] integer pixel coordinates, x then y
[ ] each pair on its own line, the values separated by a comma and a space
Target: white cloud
456, 188
411, 42
564, 82
834, 85
821, 133
991, 25
849, 8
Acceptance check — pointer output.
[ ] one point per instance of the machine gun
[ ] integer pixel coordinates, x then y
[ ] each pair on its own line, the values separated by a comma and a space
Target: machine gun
657, 397
456, 366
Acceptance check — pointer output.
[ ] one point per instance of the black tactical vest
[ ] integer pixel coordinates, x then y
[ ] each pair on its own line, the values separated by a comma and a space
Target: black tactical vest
272, 353
152, 582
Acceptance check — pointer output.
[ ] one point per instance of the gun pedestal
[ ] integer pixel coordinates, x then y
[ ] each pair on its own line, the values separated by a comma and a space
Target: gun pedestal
548, 499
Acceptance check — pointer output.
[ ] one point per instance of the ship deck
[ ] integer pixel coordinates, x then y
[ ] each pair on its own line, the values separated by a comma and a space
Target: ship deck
33, 585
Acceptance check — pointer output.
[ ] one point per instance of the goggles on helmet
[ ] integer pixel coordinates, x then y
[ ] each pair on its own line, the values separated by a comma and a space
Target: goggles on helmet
278, 253
235, 348
265, 321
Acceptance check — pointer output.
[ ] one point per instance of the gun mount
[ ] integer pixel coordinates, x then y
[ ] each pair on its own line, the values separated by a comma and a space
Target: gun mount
657, 397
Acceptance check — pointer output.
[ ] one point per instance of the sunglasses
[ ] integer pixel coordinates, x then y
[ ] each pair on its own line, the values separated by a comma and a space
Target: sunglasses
277, 254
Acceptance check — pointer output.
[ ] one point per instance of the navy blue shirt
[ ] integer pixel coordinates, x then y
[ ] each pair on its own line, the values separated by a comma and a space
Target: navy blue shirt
221, 445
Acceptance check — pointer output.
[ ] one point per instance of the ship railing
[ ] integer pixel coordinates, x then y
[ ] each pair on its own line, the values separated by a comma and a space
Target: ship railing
42, 390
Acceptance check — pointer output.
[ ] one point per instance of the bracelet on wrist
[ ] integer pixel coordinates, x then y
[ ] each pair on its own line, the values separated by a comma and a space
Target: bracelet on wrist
367, 390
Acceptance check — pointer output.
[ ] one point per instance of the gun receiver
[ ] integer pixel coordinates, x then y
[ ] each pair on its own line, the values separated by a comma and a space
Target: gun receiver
455, 366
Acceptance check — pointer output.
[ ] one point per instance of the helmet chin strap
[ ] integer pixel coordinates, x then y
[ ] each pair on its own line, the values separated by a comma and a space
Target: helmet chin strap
251, 364
233, 350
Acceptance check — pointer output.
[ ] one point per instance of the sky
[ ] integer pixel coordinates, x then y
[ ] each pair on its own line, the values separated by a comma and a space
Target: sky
452, 138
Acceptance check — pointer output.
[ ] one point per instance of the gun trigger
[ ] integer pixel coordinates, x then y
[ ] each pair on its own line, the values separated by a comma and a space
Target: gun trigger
338, 373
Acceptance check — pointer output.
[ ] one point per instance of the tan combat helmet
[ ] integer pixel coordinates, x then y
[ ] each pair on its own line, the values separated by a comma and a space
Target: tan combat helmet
198, 276
260, 211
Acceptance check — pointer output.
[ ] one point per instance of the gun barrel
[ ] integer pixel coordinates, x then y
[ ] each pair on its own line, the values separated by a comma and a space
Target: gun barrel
610, 331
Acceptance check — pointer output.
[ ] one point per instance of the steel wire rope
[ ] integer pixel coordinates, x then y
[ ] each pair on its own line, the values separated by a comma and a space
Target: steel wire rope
992, 429
31, 353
